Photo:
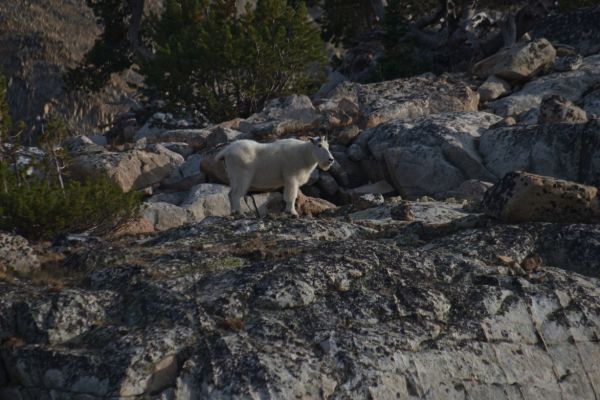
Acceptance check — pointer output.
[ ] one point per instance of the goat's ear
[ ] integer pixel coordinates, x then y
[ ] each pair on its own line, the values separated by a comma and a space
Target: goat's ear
314, 140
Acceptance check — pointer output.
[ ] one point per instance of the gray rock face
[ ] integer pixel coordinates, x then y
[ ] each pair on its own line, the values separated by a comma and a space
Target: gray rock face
180, 148
197, 138
187, 175
327, 184
82, 144
294, 113
352, 173
39, 41
168, 197
381, 187
578, 28
564, 151
348, 135
568, 63
472, 190
591, 104
406, 99
311, 308
130, 170
571, 85
211, 199
222, 135
208, 199
368, 200
519, 62
493, 88
432, 155
162, 215
340, 112
418, 171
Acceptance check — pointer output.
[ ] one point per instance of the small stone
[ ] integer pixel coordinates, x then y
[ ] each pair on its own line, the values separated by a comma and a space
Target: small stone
531, 263
568, 63
402, 212
364, 201
557, 109
505, 260
506, 122
493, 88
342, 285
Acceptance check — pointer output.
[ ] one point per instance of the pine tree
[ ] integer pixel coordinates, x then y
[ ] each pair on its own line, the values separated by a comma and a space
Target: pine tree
567, 5
345, 20
400, 58
5, 119
111, 52
228, 65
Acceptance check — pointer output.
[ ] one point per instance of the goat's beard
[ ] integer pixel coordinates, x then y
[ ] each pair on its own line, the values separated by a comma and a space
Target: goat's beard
325, 166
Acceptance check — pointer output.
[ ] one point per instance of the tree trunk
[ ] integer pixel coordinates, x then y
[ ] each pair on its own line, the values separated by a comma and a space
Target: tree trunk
133, 34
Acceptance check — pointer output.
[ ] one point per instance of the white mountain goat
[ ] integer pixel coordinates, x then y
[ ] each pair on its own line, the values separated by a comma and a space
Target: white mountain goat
269, 166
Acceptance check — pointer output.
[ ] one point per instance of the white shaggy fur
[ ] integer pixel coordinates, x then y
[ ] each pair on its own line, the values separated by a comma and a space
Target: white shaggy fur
268, 166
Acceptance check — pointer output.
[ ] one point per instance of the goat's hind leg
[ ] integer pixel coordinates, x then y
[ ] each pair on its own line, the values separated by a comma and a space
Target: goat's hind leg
290, 192
239, 187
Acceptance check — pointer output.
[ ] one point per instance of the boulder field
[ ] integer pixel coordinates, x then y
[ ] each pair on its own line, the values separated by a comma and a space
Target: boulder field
451, 252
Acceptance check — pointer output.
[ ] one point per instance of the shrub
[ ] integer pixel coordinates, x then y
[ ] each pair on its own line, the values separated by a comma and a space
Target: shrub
210, 58
35, 200
5, 119
345, 21
40, 209
402, 58
569, 5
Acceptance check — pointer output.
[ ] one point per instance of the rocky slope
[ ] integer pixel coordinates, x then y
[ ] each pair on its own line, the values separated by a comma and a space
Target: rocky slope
423, 136
360, 306
39, 41
451, 252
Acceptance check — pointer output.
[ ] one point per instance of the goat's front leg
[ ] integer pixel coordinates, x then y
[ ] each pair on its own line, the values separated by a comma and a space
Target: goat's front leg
290, 192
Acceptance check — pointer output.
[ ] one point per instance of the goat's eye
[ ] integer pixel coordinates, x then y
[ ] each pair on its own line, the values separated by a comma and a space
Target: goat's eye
320, 146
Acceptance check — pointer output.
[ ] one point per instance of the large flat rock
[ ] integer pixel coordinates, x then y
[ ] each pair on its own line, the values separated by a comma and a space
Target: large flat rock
564, 151
572, 85
431, 155
405, 99
310, 308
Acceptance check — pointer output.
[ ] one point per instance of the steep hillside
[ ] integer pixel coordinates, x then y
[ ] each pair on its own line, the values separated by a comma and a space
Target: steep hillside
39, 40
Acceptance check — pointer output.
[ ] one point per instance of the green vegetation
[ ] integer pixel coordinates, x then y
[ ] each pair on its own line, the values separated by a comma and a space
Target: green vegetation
37, 201
224, 263
5, 119
401, 58
344, 21
208, 57
568, 5
38, 209
111, 52
205, 55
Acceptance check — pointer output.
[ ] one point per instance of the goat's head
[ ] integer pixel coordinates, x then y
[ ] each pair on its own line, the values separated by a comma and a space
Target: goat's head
321, 151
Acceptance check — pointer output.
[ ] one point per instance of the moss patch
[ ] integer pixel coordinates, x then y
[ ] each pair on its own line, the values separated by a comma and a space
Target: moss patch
224, 263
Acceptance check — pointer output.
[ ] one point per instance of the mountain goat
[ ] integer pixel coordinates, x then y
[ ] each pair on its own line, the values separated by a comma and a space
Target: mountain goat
268, 166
